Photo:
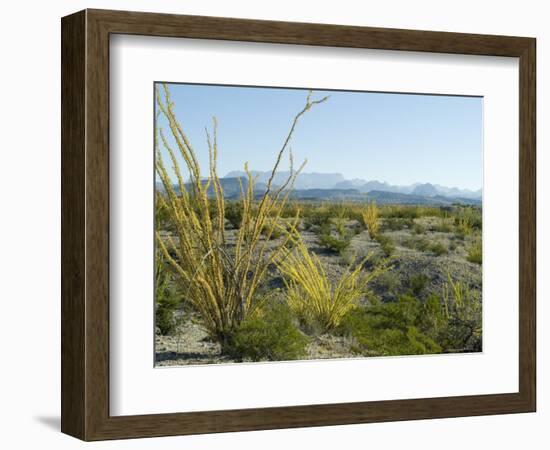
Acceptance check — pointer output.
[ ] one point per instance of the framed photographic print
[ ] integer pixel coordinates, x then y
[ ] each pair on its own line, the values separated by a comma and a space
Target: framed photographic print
272, 225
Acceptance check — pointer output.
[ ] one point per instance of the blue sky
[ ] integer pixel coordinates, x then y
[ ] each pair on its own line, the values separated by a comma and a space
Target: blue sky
398, 138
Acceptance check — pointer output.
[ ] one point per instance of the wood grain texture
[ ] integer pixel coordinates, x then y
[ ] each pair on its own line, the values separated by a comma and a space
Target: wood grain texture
73, 112
85, 224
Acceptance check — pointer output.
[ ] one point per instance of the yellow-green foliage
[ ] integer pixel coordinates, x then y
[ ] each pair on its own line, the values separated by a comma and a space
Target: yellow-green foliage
312, 296
411, 211
462, 310
467, 218
460, 301
370, 219
475, 252
221, 281
443, 226
340, 220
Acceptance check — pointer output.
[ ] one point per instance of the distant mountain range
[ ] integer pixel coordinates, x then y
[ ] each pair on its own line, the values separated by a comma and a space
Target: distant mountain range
333, 186
337, 181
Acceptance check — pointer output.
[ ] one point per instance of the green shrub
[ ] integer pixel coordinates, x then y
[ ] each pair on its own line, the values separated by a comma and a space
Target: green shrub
462, 307
412, 326
413, 212
417, 283
333, 243
403, 212
269, 335
438, 249
475, 252
388, 281
334, 236
397, 223
317, 218
443, 226
386, 244
418, 228
417, 243
389, 329
433, 318
468, 219
167, 301
272, 230
234, 214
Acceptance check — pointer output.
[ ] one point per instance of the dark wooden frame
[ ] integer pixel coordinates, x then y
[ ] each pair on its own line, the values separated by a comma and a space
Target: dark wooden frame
85, 224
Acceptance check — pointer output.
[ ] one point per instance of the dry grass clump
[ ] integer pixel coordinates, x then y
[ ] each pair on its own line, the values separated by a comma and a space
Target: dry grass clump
475, 252
370, 219
459, 300
222, 282
313, 297
467, 220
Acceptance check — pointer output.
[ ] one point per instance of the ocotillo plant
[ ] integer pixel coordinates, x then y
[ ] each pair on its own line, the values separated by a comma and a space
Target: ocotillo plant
222, 282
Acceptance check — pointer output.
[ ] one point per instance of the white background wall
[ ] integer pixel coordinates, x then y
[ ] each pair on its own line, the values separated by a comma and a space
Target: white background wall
30, 225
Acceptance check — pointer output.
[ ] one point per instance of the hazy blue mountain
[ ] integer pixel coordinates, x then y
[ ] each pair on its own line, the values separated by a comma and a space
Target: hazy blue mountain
383, 197
425, 190
303, 181
328, 194
380, 197
337, 181
333, 186
231, 187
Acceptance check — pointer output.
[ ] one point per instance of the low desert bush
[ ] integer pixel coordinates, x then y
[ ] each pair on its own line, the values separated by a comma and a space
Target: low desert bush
462, 308
468, 219
272, 230
438, 249
234, 213
167, 300
337, 244
417, 283
399, 212
334, 235
412, 211
268, 335
386, 244
418, 228
417, 243
388, 281
397, 223
316, 218
413, 326
392, 328
475, 252
443, 226
423, 244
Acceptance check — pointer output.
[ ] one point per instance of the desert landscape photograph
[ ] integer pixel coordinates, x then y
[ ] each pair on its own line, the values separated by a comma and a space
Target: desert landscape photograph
310, 224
